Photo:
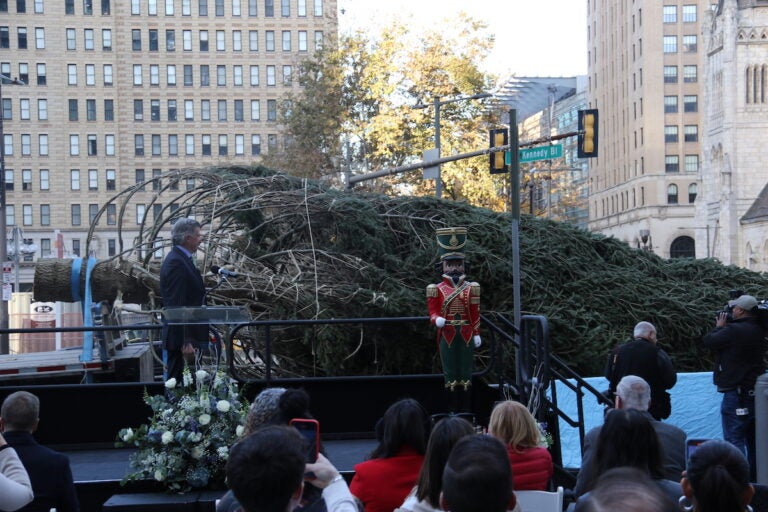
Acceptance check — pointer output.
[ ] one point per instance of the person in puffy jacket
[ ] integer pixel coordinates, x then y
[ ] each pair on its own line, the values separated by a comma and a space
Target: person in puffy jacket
531, 463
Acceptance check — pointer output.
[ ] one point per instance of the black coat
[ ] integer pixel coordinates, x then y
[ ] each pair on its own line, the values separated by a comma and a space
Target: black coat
49, 472
181, 285
646, 360
739, 348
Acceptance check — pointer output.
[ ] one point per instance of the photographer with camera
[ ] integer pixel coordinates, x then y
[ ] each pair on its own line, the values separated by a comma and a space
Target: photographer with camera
739, 346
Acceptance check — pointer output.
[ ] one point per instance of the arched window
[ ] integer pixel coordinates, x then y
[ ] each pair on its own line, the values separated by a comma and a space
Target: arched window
693, 190
672, 194
682, 247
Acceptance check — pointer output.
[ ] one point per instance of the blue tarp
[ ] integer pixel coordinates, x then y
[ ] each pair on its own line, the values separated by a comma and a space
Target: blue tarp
695, 409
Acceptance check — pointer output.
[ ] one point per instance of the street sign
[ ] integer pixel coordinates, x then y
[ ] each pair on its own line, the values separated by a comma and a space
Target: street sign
431, 173
541, 153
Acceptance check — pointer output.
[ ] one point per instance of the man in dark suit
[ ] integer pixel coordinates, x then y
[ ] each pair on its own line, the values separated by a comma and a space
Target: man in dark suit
181, 285
644, 358
632, 392
49, 471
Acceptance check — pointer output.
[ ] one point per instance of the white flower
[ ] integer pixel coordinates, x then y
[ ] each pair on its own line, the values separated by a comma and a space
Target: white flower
170, 383
223, 452
223, 405
197, 452
195, 437
159, 475
128, 436
187, 378
204, 419
201, 375
239, 430
167, 437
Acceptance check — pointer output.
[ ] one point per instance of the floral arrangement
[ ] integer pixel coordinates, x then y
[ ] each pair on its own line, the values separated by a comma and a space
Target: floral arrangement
545, 438
186, 443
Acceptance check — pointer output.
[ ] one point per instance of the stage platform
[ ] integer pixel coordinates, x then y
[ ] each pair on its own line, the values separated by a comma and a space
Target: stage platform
98, 472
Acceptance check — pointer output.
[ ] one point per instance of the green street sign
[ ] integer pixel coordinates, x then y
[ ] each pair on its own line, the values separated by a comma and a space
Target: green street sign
541, 153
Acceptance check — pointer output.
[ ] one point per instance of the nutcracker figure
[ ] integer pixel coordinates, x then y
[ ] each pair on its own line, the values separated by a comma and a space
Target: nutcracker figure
454, 308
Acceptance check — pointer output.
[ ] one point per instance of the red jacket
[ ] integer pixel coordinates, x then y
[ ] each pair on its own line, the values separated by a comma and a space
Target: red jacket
383, 484
531, 469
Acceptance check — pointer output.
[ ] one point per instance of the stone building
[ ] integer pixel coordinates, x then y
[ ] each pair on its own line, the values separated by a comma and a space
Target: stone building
644, 77
733, 208
119, 92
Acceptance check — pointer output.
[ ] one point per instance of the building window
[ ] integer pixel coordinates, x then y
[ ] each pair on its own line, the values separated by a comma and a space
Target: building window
255, 110
136, 40
670, 44
90, 74
111, 176
253, 9
682, 247
156, 145
186, 40
172, 110
173, 145
45, 247
71, 39
271, 110
139, 178
206, 145
141, 211
691, 133
154, 110
189, 110
93, 211
72, 110
254, 73
269, 8
111, 214
269, 42
287, 75
42, 141
74, 179
237, 40
188, 78
71, 74
286, 40
41, 75
45, 215
670, 14
691, 163
89, 39
138, 145
109, 145
111, 247
76, 243
689, 44
672, 194
693, 191
239, 144
318, 7
205, 110
26, 214
138, 110
670, 134
301, 8
255, 145
670, 104
253, 40
271, 76
26, 144
74, 145
106, 40
106, 7
92, 147
203, 40
90, 110
26, 180
285, 8
205, 75
75, 216
221, 76
154, 40
189, 144
690, 103
690, 74
239, 116
40, 38
223, 145
237, 75
671, 163
137, 79
170, 73
303, 45
108, 74
689, 13
45, 179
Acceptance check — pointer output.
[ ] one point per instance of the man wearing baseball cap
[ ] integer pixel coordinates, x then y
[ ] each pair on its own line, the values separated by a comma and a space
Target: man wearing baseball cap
739, 346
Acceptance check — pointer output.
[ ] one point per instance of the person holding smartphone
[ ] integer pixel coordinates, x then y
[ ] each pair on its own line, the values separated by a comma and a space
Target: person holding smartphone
267, 471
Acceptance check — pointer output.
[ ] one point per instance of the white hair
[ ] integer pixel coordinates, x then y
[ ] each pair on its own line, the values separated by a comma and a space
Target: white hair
181, 228
644, 330
634, 392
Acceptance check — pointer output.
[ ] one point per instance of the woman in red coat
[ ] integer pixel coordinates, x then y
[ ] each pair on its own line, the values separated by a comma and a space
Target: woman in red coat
383, 482
532, 466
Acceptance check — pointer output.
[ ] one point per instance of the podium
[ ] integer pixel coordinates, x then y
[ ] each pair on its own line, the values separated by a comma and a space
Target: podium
223, 315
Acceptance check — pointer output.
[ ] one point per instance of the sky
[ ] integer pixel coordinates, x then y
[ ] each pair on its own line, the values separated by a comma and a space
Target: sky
533, 37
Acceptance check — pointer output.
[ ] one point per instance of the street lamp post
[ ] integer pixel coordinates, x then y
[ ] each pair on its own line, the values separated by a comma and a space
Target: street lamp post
4, 346
437, 103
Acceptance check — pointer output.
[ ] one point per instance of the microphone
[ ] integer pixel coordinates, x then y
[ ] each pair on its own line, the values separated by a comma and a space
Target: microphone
223, 272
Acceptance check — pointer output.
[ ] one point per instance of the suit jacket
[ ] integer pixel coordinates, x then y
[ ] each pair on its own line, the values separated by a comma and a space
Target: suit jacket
181, 285
671, 439
49, 473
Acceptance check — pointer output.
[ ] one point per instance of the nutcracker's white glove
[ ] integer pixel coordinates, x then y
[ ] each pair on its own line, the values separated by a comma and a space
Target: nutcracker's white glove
439, 322
477, 340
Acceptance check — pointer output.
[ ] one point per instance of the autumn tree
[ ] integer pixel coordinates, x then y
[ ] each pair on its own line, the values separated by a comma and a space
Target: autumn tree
355, 110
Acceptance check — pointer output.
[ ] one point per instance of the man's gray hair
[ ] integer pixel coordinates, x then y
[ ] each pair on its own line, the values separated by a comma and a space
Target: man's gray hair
182, 228
634, 392
644, 330
20, 411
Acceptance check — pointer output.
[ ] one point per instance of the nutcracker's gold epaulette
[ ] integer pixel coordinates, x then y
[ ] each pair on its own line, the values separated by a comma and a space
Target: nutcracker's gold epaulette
431, 291
475, 288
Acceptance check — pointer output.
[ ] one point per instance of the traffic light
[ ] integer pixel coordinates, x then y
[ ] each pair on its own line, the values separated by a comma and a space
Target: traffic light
499, 137
587, 147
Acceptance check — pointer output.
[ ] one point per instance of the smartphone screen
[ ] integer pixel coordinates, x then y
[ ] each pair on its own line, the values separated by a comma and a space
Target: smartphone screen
310, 429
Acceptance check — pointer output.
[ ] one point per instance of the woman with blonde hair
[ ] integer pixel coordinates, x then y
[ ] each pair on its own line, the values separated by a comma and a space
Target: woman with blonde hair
531, 463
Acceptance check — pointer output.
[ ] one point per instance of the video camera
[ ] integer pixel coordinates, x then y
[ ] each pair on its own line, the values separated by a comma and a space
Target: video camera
762, 308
